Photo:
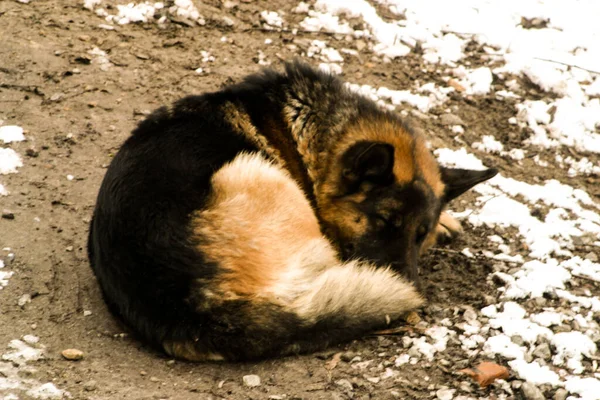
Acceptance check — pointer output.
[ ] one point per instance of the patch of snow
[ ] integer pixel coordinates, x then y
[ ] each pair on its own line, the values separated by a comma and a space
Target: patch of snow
475, 82
547, 318
271, 18
587, 388
47, 391
331, 68
570, 349
488, 144
534, 372
11, 133
318, 21
9, 161
319, 48
501, 344
21, 352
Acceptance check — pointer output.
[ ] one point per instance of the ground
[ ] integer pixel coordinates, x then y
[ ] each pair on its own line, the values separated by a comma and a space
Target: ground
77, 108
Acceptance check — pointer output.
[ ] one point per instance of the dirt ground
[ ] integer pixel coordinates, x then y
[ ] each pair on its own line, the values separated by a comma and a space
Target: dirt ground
76, 115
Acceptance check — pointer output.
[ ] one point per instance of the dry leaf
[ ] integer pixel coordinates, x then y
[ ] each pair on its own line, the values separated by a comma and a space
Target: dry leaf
412, 318
331, 364
486, 373
393, 331
457, 86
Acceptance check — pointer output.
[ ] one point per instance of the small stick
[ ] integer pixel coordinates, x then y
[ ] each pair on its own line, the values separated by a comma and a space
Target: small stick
568, 65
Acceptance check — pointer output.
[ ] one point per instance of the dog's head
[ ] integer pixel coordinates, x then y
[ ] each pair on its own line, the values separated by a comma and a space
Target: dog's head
383, 194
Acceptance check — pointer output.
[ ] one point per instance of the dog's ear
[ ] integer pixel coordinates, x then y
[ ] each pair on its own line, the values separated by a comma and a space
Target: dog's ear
368, 161
458, 180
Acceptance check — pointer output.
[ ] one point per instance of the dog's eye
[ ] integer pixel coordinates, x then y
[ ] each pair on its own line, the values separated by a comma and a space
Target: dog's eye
421, 233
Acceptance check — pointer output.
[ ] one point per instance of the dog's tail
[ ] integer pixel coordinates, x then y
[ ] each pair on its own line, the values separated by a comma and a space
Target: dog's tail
325, 306
349, 300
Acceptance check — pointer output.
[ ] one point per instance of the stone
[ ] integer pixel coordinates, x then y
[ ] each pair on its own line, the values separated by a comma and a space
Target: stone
593, 257
451, 119
561, 394
360, 45
26, 298
251, 380
516, 384
90, 386
531, 392
518, 340
7, 214
542, 351
347, 356
72, 354
445, 394
345, 384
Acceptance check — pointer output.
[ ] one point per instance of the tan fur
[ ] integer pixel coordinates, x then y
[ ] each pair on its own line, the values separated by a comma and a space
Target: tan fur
428, 167
261, 229
361, 288
248, 227
241, 122
386, 131
448, 225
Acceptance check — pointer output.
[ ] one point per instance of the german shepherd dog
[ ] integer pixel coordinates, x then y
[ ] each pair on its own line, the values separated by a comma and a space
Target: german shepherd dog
276, 216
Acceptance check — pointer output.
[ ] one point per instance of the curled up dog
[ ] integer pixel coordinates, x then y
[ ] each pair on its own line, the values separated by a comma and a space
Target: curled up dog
276, 216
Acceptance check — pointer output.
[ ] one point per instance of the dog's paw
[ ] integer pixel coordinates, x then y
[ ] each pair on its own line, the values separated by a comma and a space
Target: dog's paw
447, 228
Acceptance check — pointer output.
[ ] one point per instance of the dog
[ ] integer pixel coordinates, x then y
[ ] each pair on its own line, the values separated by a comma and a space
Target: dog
277, 216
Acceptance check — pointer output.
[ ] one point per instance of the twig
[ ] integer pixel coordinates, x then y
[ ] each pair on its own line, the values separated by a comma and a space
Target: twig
589, 278
445, 250
568, 65
284, 30
25, 88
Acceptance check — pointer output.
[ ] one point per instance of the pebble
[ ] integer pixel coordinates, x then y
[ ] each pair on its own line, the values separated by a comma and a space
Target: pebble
31, 339
347, 356
414, 352
445, 394
542, 351
531, 392
540, 301
251, 380
360, 45
516, 384
518, 340
90, 386
591, 256
26, 298
345, 384
72, 354
470, 315
451, 119
6, 214
561, 394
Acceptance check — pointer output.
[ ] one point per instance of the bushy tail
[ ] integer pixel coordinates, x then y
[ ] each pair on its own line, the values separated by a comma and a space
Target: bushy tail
347, 301
339, 304
358, 293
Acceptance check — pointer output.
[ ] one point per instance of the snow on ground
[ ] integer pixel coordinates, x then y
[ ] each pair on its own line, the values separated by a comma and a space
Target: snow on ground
570, 117
10, 160
17, 372
554, 45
